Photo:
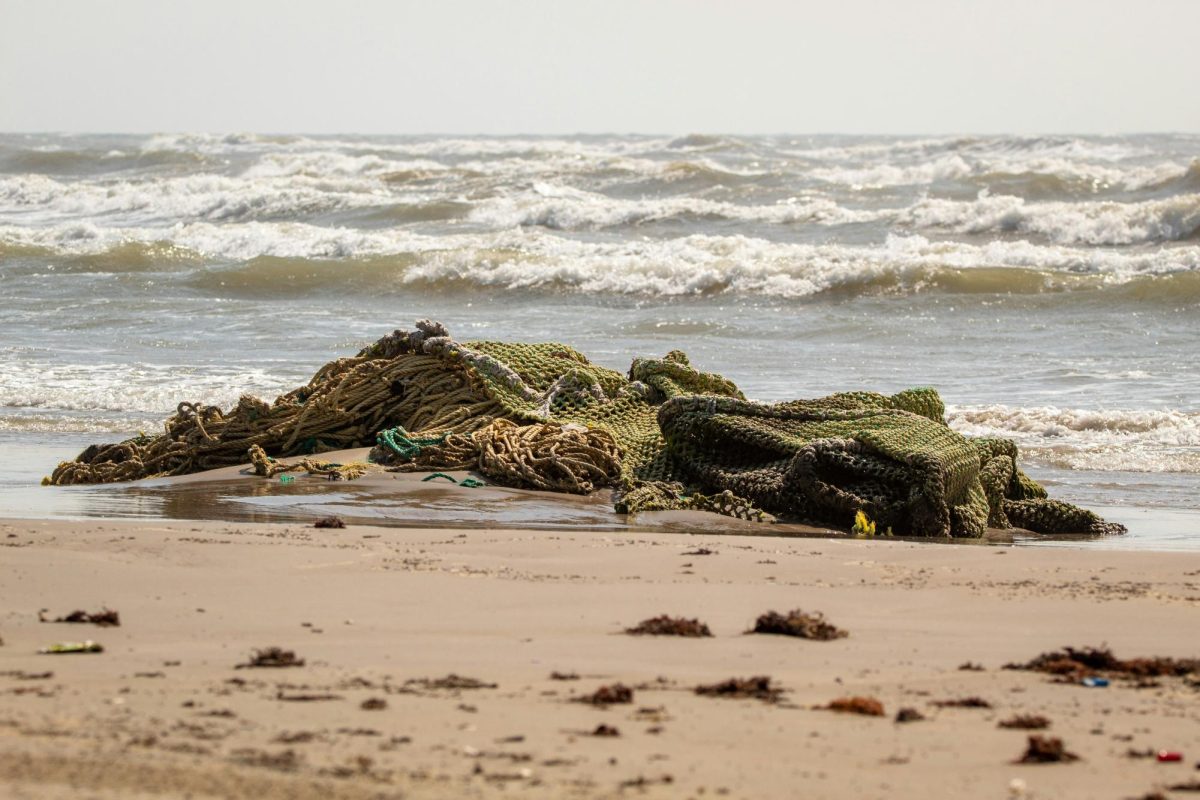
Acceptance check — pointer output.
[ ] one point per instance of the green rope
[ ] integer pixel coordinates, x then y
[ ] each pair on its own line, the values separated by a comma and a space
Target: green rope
466, 483
402, 444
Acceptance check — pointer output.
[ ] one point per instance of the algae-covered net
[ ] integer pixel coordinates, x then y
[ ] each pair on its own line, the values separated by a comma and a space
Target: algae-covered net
665, 436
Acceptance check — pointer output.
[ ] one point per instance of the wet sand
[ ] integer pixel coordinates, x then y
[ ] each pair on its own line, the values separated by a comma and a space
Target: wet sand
383, 613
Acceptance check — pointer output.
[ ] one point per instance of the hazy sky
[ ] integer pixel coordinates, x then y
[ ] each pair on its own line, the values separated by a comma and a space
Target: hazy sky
561, 66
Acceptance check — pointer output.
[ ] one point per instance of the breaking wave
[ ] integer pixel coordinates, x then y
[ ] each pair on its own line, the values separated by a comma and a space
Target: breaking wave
1087, 223
1104, 441
562, 208
124, 388
296, 258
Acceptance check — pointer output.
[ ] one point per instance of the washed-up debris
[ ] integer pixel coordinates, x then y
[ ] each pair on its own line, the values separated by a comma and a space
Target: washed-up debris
1046, 750
1188, 786
22, 675
450, 682
1169, 756
564, 676
758, 687
867, 706
284, 761
272, 657
306, 697
1095, 683
608, 695
669, 626
909, 715
1073, 665
105, 618
66, 648
642, 782
359, 732
373, 704
330, 522
605, 730
1025, 722
962, 702
798, 623
699, 551
970, 666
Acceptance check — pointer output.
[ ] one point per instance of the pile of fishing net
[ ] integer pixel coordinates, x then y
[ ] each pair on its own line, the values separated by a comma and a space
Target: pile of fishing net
667, 436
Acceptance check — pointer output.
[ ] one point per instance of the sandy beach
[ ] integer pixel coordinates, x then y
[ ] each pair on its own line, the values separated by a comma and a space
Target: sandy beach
446, 663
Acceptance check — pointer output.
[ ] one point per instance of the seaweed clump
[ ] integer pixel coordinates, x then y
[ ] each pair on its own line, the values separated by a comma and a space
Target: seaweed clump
613, 694
451, 682
105, 618
272, 657
759, 688
664, 625
867, 706
1072, 665
1046, 750
798, 623
962, 702
1025, 722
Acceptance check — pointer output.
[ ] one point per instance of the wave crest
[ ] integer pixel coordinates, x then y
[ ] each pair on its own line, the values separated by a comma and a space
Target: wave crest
1099, 440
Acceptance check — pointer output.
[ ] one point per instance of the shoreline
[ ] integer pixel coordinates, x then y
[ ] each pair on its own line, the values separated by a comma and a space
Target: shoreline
403, 500
163, 711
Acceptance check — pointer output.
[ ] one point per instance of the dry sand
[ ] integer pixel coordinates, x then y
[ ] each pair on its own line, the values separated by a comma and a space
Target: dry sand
163, 712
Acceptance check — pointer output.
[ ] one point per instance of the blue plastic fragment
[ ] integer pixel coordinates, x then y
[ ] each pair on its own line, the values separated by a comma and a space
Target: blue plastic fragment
1095, 682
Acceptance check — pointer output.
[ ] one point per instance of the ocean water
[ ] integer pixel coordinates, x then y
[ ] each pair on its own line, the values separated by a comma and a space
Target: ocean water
1048, 286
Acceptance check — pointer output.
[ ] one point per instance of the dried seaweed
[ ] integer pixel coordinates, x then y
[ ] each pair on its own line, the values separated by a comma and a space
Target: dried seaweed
867, 706
1025, 722
608, 695
962, 702
451, 682
664, 625
1072, 664
105, 618
1046, 750
798, 623
758, 687
272, 657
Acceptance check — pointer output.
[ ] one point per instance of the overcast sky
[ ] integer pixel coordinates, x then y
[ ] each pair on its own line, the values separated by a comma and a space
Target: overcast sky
563, 66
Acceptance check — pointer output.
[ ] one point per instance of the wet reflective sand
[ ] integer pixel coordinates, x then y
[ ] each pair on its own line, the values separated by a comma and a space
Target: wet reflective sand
407, 500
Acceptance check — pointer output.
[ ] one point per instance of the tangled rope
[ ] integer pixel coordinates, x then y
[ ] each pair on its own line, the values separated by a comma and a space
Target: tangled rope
546, 456
268, 467
344, 405
667, 436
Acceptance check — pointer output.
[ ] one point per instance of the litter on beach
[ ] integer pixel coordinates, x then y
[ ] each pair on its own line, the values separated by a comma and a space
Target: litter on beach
67, 648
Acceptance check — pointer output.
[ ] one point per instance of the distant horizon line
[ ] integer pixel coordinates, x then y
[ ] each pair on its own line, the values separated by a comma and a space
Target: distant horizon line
252, 132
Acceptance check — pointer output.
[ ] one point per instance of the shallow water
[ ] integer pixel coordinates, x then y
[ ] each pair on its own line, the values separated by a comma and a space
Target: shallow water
1049, 287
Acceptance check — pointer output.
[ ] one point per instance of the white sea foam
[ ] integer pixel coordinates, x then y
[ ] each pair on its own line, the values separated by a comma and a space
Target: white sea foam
527, 257
947, 167
40, 200
1101, 440
118, 387
565, 208
1089, 223
957, 167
